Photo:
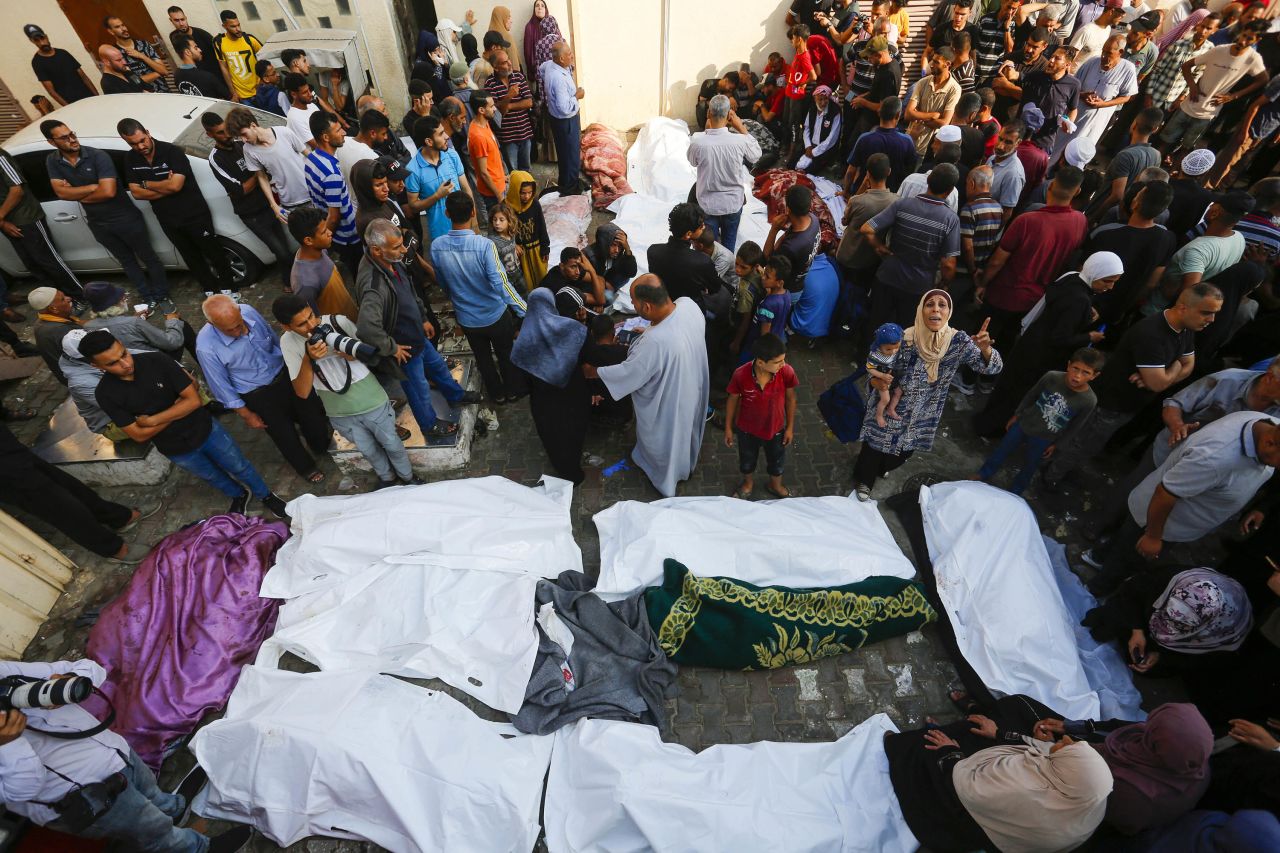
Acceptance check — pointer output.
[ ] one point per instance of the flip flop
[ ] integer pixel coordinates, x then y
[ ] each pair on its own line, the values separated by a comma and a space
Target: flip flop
743, 496
778, 494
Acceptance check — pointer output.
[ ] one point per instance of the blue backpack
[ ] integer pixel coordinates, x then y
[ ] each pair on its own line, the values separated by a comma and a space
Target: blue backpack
843, 407
267, 98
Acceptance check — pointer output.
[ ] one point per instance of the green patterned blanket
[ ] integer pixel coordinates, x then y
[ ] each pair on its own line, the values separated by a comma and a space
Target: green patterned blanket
732, 624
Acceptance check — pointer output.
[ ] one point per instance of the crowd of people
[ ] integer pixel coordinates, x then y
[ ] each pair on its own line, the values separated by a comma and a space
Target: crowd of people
1065, 218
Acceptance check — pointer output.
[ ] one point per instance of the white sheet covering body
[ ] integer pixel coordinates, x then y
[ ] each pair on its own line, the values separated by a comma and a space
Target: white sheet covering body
365, 756
799, 542
431, 581
489, 520
998, 587
617, 787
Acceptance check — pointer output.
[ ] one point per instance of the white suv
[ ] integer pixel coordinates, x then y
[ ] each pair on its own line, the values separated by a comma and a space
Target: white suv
171, 118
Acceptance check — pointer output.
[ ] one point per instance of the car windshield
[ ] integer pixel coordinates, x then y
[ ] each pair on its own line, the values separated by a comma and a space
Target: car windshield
196, 143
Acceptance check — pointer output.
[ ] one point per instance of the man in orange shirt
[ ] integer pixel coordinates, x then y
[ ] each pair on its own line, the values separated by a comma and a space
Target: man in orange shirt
486, 156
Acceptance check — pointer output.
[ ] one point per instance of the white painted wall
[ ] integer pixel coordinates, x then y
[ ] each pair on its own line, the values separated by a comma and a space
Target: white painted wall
15, 62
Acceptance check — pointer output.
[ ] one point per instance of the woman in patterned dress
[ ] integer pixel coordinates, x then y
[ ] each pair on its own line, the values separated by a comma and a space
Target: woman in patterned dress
931, 353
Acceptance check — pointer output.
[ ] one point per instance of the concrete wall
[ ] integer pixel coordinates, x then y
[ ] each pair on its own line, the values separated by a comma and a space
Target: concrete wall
629, 70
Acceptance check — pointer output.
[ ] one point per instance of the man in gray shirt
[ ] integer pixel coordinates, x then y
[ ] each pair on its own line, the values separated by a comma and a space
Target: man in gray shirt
720, 157
1202, 483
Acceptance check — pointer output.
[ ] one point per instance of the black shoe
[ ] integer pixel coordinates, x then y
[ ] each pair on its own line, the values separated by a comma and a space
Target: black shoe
402, 433
191, 784
239, 504
468, 397
231, 840
274, 503
415, 480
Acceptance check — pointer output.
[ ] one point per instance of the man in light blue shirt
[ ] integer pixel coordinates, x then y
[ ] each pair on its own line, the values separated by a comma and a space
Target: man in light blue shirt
245, 370
563, 94
434, 172
468, 268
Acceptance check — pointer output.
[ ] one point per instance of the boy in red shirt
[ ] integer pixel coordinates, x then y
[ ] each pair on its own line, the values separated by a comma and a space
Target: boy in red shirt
761, 413
800, 73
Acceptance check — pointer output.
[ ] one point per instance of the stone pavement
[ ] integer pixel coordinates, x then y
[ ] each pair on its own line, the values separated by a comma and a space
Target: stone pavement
906, 677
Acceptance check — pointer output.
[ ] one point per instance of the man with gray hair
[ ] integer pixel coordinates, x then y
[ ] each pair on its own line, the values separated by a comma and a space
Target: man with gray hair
720, 157
562, 94
245, 370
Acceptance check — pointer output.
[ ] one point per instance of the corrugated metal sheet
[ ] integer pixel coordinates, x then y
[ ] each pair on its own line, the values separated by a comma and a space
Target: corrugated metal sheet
12, 116
32, 575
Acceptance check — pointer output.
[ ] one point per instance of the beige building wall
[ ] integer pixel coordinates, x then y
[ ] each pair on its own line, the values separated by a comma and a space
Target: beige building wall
15, 62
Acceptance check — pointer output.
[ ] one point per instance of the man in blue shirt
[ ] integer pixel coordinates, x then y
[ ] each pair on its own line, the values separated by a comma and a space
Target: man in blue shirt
245, 370
328, 189
563, 94
887, 140
468, 267
434, 172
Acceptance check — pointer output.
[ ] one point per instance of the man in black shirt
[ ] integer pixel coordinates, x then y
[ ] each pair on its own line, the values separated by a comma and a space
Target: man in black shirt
1157, 353
160, 172
1142, 246
959, 23
87, 175
139, 55
1056, 92
190, 78
152, 398
683, 269
575, 270
247, 199
1014, 69
208, 60
117, 77
61, 74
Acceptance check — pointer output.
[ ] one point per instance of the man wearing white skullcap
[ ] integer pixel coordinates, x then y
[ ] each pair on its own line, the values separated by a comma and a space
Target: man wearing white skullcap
1080, 152
54, 320
1198, 162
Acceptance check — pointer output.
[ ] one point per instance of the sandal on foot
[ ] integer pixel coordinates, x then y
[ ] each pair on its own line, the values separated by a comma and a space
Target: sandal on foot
743, 495
315, 477
440, 430
785, 493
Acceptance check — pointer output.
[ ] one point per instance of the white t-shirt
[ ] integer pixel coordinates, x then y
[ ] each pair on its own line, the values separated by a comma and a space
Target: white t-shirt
284, 162
299, 121
350, 152
293, 348
1088, 41
1221, 72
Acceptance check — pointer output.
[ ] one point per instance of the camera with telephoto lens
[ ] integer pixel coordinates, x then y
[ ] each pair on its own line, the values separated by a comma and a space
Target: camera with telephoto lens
20, 692
335, 340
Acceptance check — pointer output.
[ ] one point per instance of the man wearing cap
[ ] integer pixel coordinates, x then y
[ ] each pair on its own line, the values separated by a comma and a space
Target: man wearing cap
112, 311
562, 96
1107, 82
88, 176
719, 154
160, 172
54, 318
1090, 38
1191, 195
22, 220
57, 70
493, 42
1223, 67
933, 99
510, 91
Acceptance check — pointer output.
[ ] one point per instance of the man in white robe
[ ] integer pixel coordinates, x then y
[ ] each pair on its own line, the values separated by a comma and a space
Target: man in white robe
667, 377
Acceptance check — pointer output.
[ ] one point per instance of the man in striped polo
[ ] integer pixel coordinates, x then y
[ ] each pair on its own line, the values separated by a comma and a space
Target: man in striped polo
329, 191
514, 99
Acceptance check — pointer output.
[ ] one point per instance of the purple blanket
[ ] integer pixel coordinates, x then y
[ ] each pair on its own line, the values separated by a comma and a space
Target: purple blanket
174, 641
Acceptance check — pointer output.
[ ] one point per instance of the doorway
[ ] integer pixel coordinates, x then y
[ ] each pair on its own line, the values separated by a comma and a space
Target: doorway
86, 19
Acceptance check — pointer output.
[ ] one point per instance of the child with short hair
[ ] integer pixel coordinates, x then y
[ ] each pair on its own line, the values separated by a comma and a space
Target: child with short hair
747, 265
604, 350
761, 414
880, 363
502, 224
1055, 407
314, 276
773, 309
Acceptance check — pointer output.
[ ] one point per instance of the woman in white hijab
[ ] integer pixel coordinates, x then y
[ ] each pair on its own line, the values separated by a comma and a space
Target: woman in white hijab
1062, 322
1032, 796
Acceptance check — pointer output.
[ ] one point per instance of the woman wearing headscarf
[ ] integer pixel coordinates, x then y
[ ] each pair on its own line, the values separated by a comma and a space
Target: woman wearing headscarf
1037, 797
549, 350
1059, 324
530, 226
500, 22
470, 48
1172, 620
432, 66
370, 186
611, 256
932, 351
533, 32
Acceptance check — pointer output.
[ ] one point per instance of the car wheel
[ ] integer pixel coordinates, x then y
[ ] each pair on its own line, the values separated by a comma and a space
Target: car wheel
245, 266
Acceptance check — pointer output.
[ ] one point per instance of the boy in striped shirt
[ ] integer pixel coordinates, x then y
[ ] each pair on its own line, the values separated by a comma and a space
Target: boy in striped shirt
329, 191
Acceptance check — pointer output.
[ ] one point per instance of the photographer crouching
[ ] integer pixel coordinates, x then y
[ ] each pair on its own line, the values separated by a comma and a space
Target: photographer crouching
61, 768
323, 353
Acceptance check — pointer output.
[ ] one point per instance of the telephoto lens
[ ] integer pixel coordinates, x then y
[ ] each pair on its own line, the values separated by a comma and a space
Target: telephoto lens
17, 692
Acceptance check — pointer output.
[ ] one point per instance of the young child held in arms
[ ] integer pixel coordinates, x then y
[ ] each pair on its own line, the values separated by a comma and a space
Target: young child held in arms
773, 309
502, 222
880, 361
1054, 407
761, 413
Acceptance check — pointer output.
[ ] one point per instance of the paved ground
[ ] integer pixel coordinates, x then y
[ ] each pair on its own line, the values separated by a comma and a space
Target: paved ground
906, 677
